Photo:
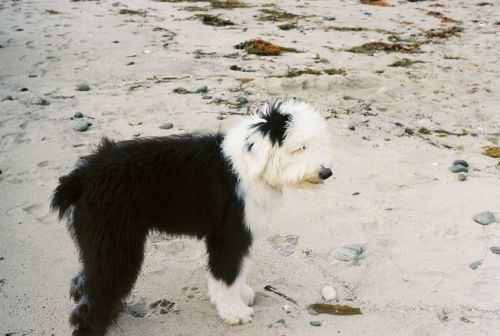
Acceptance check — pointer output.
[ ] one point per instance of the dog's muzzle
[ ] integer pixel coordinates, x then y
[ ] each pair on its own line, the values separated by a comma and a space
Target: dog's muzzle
325, 173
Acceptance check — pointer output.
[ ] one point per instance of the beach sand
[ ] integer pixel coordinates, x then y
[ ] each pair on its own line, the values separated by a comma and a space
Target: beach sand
412, 216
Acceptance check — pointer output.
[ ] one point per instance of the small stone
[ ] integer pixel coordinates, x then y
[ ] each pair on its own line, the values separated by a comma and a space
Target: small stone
181, 90
78, 115
398, 124
461, 177
286, 308
484, 218
351, 127
167, 125
116, 41
82, 87
281, 321
135, 135
37, 100
24, 89
206, 97
202, 89
219, 117
241, 100
1, 258
474, 265
461, 163
83, 126
315, 323
408, 131
459, 169
355, 193
348, 252
495, 249
328, 293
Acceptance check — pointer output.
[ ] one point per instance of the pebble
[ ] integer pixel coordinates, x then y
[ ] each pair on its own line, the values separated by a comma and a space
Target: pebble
78, 115
462, 177
348, 252
37, 100
202, 89
206, 97
461, 163
484, 218
459, 169
82, 87
328, 293
242, 100
315, 323
24, 89
495, 249
398, 124
181, 90
474, 265
355, 193
286, 308
351, 127
83, 126
219, 117
281, 321
167, 125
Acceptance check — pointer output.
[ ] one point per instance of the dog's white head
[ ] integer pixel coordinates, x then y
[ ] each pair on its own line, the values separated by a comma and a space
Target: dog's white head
285, 145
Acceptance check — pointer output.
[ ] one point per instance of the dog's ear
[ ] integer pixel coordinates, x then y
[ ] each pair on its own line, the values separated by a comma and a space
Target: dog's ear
258, 149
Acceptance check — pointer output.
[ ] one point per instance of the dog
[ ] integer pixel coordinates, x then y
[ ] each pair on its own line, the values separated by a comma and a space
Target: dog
213, 186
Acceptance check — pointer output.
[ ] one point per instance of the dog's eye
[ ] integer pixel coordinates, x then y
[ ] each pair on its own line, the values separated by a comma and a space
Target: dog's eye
300, 149
303, 147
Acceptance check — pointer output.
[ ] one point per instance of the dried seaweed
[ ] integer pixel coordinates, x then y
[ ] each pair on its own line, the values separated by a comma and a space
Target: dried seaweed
346, 29
439, 15
491, 151
443, 33
126, 11
214, 20
275, 291
380, 3
372, 47
263, 48
52, 12
228, 4
299, 72
277, 15
288, 26
325, 308
195, 9
405, 63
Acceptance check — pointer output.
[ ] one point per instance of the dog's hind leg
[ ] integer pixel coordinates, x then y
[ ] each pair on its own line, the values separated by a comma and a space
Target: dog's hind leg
226, 279
112, 263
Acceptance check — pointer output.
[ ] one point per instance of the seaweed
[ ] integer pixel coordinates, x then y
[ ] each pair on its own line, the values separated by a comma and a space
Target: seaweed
288, 26
228, 4
275, 291
380, 3
166, 32
325, 308
346, 29
438, 15
195, 9
126, 11
277, 15
405, 63
263, 48
372, 47
214, 20
52, 12
443, 33
491, 151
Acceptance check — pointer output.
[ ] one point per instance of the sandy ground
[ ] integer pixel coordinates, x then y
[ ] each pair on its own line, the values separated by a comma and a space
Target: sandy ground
412, 215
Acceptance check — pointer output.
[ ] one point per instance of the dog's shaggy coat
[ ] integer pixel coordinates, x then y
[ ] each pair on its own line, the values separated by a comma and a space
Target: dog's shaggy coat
213, 187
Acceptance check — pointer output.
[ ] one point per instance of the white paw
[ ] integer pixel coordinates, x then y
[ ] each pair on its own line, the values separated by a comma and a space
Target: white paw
235, 314
247, 294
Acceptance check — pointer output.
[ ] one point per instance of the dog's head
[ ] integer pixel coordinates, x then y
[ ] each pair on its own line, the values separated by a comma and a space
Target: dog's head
285, 145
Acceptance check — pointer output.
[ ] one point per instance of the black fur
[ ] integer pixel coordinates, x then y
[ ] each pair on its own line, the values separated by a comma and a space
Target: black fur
275, 123
181, 185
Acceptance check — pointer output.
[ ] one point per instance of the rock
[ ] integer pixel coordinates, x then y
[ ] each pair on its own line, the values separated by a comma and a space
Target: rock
286, 308
348, 252
493, 249
83, 126
484, 218
281, 321
315, 323
474, 265
37, 100
241, 100
181, 90
462, 177
328, 293
24, 89
206, 97
355, 193
351, 127
398, 124
459, 169
7, 98
167, 125
82, 87
203, 89
461, 163
408, 131
78, 115
219, 117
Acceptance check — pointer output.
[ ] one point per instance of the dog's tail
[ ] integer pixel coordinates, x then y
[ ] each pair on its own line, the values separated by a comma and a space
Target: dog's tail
67, 193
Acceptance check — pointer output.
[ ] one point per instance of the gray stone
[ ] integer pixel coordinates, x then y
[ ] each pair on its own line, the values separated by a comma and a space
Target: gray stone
220, 118
462, 177
315, 323
474, 265
281, 321
484, 218
495, 249
83, 126
461, 163
351, 127
82, 87
459, 169
167, 125
348, 252
78, 115
181, 90
242, 100
203, 89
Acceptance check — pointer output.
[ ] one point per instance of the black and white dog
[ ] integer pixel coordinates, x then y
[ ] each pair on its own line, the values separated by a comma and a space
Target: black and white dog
216, 187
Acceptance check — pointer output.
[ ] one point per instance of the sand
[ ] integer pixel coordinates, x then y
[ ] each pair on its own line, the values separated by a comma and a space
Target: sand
412, 215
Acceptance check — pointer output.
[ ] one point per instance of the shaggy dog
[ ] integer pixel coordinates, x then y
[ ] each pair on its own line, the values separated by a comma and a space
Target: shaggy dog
214, 187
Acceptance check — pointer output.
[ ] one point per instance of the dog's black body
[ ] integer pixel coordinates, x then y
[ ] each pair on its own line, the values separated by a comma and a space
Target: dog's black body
181, 185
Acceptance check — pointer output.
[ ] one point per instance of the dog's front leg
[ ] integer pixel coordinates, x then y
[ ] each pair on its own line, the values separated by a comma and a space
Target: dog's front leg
226, 281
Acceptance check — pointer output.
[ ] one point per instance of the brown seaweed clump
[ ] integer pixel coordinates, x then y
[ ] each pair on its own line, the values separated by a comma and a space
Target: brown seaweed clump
214, 20
296, 72
277, 15
372, 47
263, 48
325, 308
438, 15
126, 11
228, 4
443, 33
405, 63
380, 3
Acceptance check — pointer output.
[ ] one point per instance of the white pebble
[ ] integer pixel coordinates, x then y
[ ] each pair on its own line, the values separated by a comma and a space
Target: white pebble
147, 51
286, 308
329, 293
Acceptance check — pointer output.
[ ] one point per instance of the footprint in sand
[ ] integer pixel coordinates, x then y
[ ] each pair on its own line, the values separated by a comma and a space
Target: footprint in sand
191, 293
139, 307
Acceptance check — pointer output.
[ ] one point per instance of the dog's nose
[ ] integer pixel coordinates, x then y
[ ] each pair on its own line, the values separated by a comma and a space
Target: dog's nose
325, 173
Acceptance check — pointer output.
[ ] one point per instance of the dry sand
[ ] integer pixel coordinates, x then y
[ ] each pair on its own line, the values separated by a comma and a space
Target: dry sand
414, 276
